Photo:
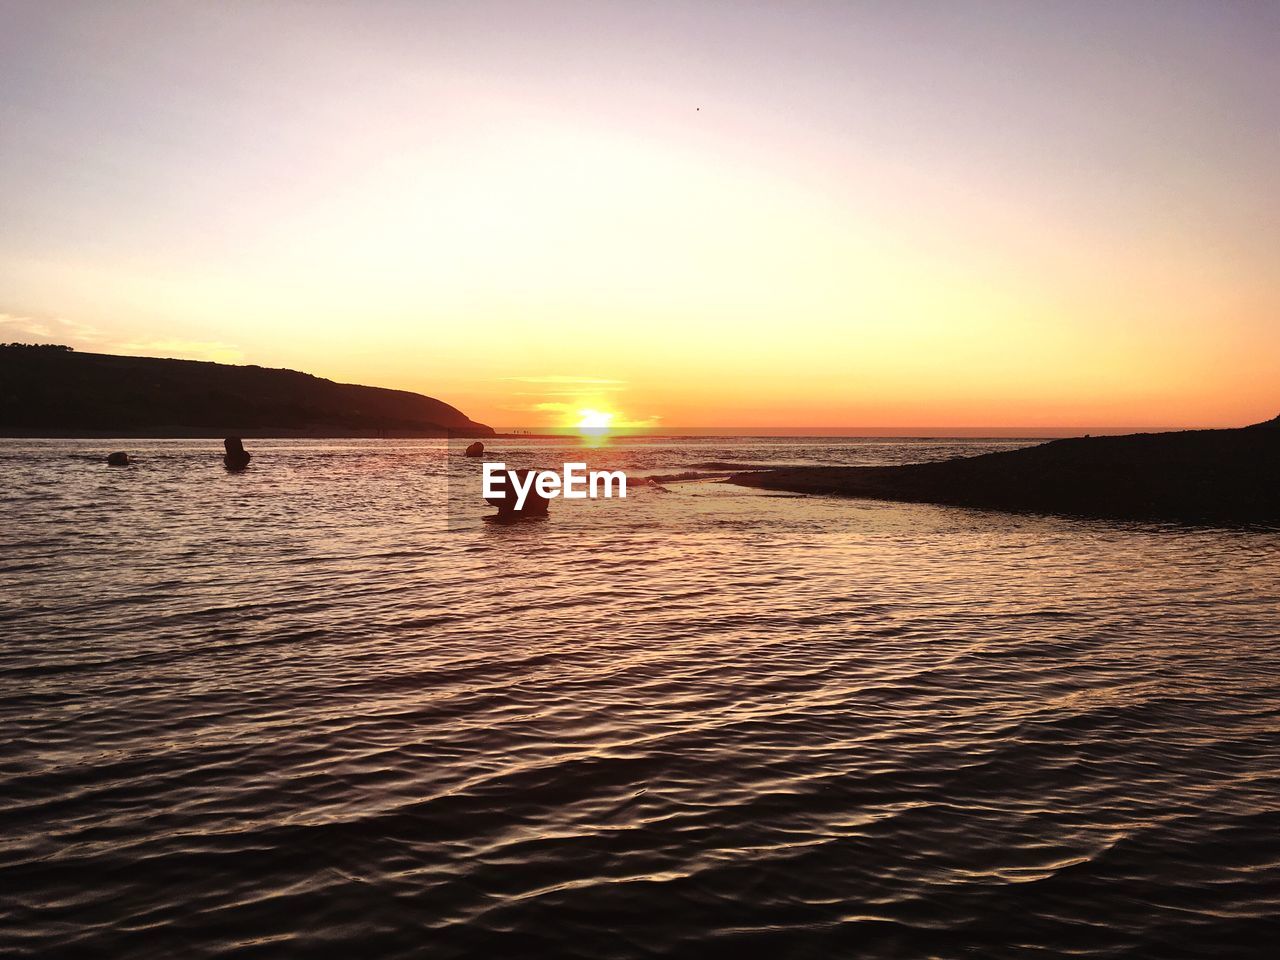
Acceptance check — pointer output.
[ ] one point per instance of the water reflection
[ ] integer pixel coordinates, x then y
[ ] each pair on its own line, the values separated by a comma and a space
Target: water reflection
672, 725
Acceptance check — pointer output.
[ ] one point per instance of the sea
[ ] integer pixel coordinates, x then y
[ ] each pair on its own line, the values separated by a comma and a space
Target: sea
327, 707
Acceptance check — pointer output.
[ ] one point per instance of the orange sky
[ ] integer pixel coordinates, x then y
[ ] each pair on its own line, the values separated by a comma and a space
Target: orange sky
682, 214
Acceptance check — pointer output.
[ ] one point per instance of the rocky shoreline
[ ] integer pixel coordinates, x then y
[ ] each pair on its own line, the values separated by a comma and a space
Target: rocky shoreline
1216, 476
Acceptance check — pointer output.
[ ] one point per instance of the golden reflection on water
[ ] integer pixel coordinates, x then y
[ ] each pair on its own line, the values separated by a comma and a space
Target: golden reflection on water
801, 705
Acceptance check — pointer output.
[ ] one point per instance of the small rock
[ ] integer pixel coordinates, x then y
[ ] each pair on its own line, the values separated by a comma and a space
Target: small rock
534, 504
118, 459
236, 458
475, 450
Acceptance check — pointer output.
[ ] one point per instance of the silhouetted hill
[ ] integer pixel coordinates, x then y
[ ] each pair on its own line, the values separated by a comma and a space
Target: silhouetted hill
52, 391
1200, 475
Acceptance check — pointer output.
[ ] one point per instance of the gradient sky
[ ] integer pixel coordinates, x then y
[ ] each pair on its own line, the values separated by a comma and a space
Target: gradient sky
826, 214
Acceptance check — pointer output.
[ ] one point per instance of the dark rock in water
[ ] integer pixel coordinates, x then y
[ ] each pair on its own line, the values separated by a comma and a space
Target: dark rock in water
236, 458
475, 450
118, 459
534, 504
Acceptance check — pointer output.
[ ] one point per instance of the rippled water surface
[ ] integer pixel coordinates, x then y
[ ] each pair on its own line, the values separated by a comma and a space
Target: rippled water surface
323, 708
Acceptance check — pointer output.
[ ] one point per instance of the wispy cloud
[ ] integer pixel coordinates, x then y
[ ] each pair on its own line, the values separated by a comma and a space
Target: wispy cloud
566, 393
564, 380
82, 336
49, 329
619, 420
633, 424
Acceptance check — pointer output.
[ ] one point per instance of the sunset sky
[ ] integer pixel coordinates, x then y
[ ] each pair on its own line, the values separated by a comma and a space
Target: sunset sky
685, 214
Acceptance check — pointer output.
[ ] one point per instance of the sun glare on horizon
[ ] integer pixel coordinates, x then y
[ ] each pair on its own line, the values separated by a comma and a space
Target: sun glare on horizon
594, 421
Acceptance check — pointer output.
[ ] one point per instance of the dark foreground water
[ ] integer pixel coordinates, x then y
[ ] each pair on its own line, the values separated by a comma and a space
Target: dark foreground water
290, 713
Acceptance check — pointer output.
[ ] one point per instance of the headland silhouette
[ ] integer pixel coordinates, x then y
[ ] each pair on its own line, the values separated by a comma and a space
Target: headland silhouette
56, 391
1190, 475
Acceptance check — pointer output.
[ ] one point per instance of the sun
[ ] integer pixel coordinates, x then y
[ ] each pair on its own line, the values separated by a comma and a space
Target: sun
595, 420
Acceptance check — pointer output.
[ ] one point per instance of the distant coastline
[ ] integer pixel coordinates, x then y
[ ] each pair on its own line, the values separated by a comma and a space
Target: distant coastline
1190, 475
49, 391
267, 433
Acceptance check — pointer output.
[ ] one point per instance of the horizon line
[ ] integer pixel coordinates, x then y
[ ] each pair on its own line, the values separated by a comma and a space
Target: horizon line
854, 431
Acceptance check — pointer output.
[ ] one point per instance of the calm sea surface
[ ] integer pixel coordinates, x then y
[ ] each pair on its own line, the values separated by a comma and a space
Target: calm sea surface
323, 708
